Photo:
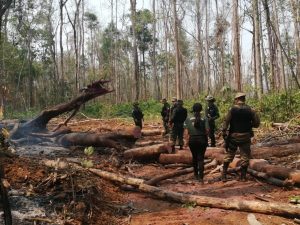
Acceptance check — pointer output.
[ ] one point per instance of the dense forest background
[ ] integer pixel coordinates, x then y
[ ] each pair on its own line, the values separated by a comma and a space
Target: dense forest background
50, 49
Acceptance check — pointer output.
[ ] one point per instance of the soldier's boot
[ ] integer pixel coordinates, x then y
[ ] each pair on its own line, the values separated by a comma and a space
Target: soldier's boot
180, 147
173, 149
224, 173
196, 172
201, 172
243, 173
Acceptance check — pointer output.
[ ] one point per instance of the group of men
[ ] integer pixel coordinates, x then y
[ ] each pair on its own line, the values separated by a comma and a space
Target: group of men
174, 116
236, 130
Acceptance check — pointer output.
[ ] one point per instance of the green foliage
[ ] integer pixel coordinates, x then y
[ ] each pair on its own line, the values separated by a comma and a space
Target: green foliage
189, 205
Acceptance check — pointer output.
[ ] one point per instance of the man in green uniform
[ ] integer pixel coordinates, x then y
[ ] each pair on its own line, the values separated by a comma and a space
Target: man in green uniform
165, 113
240, 120
211, 113
177, 119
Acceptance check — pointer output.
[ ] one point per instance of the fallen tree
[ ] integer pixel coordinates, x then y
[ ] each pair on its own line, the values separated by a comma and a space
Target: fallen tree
273, 208
35, 131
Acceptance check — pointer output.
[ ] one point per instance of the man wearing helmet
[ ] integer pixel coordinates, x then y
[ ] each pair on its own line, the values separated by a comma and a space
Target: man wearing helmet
237, 131
211, 113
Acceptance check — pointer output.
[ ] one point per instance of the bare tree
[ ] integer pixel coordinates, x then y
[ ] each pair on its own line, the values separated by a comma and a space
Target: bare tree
295, 6
236, 45
257, 48
74, 27
176, 39
134, 51
61, 6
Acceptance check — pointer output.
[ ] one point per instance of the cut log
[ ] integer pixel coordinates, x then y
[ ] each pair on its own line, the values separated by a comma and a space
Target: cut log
149, 152
114, 140
281, 142
275, 151
147, 143
157, 179
279, 172
151, 132
186, 156
273, 208
218, 154
270, 180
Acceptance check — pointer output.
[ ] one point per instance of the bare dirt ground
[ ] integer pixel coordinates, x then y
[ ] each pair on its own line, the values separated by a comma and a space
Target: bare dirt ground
46, 187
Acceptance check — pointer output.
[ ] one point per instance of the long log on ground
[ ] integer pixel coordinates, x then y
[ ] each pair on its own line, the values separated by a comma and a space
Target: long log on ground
273, 208
269, 180
281, 142
149, 152
218, 153
279, 172
185, 156
157, 179
275, 151
117, 140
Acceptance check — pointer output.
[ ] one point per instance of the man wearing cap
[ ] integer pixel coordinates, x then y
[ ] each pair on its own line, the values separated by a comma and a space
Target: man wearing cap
177, 119
137, 115
237, 131
165, 113
211, 113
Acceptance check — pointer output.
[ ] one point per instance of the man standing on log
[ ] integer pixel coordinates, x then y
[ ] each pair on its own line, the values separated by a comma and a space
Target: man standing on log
178, 117
211, 113
137, 115
198, 129
165, 113
240, 120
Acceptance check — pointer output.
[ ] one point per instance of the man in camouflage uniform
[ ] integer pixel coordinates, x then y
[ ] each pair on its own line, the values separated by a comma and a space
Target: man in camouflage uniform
165, 113
240, 120
177, 119
137, 115
211, 113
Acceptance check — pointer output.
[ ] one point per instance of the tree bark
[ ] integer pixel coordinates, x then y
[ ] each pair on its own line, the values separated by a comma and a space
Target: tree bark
281, 209
236, 46
257, 48
134, 51
177, 53
147, 153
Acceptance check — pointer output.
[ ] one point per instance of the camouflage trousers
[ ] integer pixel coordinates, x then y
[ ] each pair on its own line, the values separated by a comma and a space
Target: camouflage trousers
241, 141
177, 133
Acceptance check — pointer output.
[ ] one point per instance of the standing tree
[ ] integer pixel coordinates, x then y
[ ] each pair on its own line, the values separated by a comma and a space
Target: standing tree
134, 50
257, 70
176, 40
236, 45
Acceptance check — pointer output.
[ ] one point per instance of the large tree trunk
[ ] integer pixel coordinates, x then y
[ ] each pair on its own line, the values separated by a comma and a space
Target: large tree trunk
236, 45
149, 152
281, 209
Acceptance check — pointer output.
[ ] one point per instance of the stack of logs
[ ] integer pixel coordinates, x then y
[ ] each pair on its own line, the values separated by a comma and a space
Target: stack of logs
259, 167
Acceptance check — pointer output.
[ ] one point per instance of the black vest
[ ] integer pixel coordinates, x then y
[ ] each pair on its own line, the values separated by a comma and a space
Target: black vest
241, 119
